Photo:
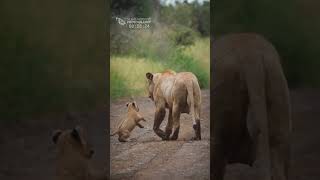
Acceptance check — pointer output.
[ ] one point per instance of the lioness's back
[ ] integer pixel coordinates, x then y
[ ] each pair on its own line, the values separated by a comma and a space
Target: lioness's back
235, 51
242, 45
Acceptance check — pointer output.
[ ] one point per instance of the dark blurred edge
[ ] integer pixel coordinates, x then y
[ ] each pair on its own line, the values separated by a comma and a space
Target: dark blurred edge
212, 36
54, 59
291, 26
108, 84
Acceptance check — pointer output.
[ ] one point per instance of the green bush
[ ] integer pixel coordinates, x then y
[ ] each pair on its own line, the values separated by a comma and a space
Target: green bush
118, 86
193, 15
155, 44
121, 41
182, 62
183, 36
128, 75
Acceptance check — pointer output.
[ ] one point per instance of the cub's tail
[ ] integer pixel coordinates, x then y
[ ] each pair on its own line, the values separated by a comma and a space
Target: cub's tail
116, 132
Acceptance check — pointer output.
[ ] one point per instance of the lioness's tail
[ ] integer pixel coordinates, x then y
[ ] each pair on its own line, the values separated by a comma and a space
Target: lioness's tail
193, 90
190, 100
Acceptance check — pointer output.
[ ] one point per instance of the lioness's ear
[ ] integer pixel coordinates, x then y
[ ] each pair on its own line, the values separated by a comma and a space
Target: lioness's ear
149, 76
56, 135
75, 134
127, 104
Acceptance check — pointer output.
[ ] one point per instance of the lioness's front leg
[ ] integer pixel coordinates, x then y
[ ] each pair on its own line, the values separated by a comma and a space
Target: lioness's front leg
158, 118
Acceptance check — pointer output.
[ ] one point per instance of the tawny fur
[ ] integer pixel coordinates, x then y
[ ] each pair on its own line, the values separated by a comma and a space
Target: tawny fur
74, 153
178, 92
129, 123
248, 78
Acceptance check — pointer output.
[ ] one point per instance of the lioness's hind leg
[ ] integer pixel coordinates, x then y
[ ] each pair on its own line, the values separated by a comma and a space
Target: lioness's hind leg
176, 122
169, 125
197, 130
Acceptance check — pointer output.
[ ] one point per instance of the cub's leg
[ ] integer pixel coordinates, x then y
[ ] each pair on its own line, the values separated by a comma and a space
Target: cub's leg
140, 125
176, 121
169, 125
123, 136
159, 116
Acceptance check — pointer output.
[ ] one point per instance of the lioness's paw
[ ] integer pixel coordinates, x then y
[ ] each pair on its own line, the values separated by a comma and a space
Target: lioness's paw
165, 138
195, 138
174, 138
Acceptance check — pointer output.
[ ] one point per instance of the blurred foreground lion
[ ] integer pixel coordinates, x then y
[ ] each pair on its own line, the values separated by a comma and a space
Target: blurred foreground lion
251, 114
73, 156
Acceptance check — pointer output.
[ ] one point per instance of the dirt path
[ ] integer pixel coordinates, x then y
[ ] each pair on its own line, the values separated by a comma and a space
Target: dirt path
27, 152
146, 156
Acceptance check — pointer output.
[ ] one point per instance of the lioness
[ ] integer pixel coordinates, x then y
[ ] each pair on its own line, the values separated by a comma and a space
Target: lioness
180, 93
128, 124
74, 154
247, 76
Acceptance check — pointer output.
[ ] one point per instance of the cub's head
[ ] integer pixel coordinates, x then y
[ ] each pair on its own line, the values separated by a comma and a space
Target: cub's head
73, 141
132, 106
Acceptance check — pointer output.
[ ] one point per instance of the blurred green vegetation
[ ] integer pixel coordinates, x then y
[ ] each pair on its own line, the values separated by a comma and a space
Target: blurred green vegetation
52, 57
128, 75
178, 39
193, 15
292, 26
128, 71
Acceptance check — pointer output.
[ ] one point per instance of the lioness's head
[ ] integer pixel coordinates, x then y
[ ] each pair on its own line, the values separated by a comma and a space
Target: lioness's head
133, 105
73, 141
153, 78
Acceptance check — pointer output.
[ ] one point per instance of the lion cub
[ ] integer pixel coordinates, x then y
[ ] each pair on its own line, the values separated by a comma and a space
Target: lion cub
128, 124
73, 156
